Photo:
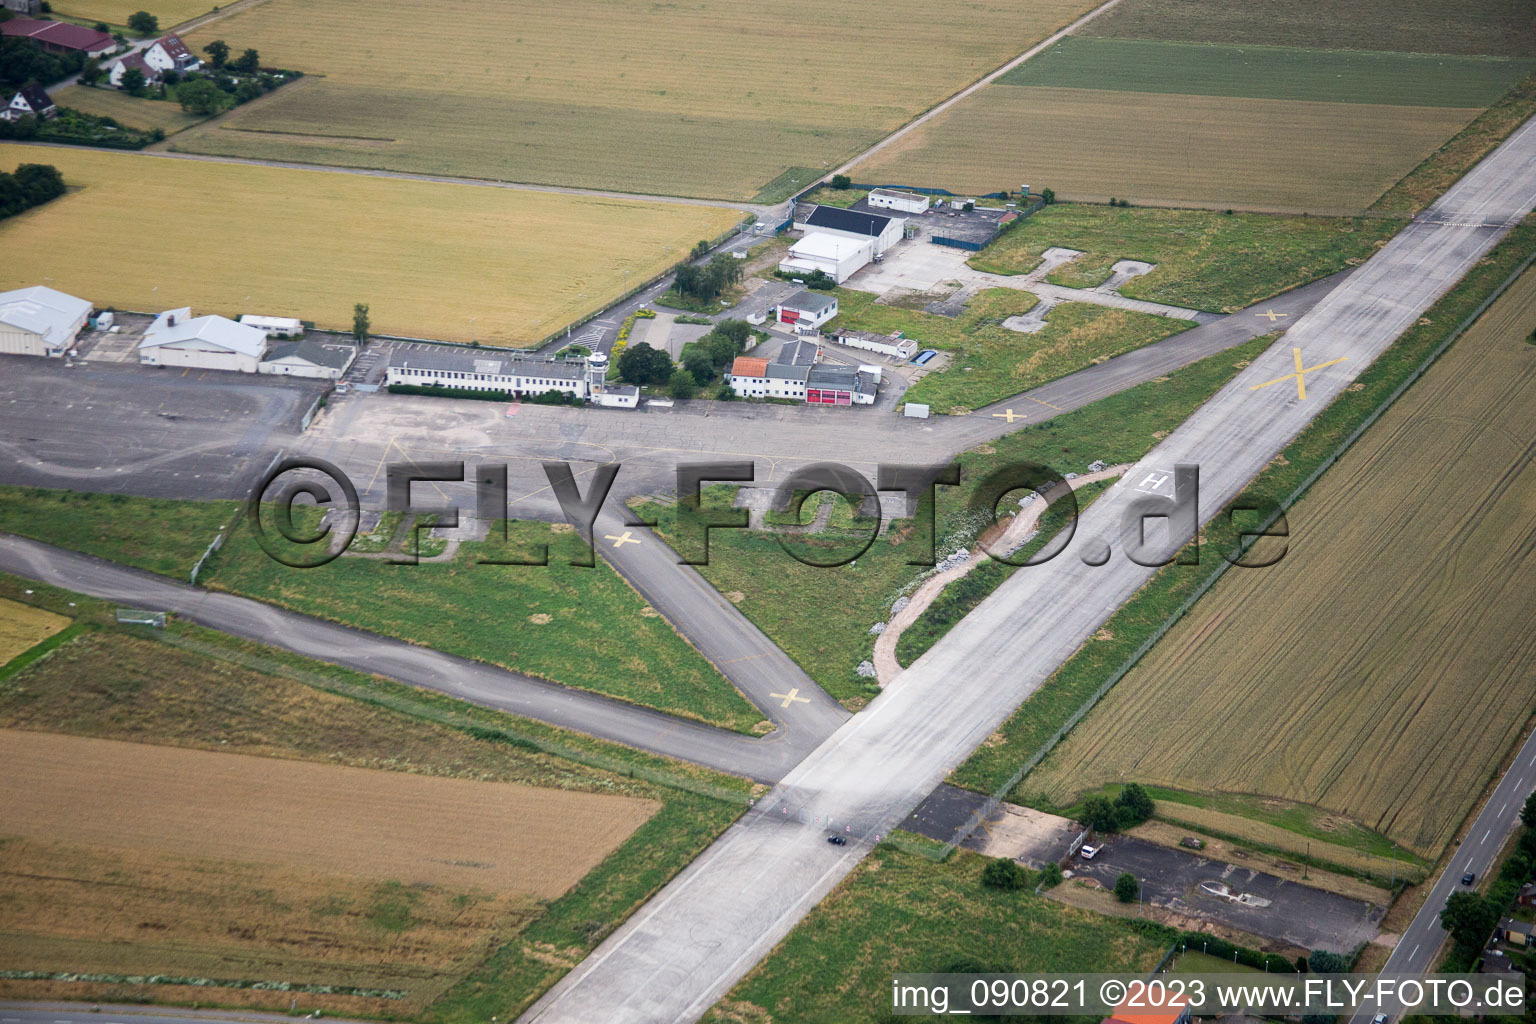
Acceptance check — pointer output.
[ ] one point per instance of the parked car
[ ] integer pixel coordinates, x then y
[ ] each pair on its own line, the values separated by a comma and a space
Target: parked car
837, 840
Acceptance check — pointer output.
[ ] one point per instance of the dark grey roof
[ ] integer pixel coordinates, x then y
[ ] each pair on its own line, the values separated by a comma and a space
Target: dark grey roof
868, 383
830, 376
782, 371
871, 224
807, 301
444, 359
312, 352
621, 389
36, 96
799, 352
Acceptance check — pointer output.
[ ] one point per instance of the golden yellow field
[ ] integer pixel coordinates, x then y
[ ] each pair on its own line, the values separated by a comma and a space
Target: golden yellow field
1259, 154
129, 110
23, 627
715, 98
117, 12
330, 819
1382, 670
458, 262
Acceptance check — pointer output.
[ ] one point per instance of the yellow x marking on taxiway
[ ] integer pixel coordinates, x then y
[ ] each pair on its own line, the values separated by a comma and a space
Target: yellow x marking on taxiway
1008, 415
1300, 376
1272, 315
622, 539
792, 697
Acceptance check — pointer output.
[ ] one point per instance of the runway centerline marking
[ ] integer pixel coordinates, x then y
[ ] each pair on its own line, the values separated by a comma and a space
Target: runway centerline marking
624, 538
1037, 401
792, 697
1300, 376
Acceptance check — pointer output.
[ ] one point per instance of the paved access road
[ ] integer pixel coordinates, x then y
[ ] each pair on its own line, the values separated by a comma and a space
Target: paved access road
1419, 948
682, 951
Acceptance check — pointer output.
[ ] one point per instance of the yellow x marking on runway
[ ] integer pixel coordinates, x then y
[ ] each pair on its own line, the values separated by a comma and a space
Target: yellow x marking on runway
622, 539
1272, 315
1300, 375
792, 697
1008, 415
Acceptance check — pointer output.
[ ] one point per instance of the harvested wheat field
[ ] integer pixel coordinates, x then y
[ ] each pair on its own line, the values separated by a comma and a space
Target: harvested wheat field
1383, 669
23, 627
440, 260
326, 818
1270, 155
665, 103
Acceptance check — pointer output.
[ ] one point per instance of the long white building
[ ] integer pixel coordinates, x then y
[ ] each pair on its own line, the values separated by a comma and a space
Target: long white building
518, 375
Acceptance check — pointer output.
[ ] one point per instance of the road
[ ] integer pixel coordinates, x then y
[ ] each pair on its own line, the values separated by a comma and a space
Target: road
1419, 948
703, 931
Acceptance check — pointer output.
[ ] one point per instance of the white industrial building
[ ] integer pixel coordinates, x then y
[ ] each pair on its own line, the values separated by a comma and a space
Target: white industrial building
806, 310
275, 326
177, 338
836, 256
880, 231
895, 199
893, 345
307, 359
40, 321
517, 375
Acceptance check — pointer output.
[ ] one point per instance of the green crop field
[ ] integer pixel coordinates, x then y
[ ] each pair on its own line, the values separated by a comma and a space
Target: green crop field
1213, 151
668, 101
1204, 260
1272, 72
1387, 668
166, 115
899, 912
991, 362
1500, 27
449, 261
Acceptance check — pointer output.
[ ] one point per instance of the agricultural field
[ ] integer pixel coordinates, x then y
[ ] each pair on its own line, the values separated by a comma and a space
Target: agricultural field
117, 12
1385, 670
660, 85
1272, 72
516, 266
1497, 27
1205, 260
1164, 149
991, 362
900, 911
342, 903
23, 627
145, 114
575, 626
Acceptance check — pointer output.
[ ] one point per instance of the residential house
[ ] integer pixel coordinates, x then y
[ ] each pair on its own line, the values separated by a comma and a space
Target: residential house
132, 60
60, 37
31, 100
169, 53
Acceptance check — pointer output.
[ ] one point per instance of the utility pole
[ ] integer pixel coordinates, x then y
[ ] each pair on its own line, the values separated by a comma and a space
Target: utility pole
1393, 883
1308, 862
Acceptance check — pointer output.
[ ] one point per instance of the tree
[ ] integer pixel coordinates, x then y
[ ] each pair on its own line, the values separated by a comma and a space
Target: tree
1470, 919
1127, 888
1321, 961
1134, 805
249, 62
737, 330
1100, 814
91, 74
1528, 812
1004, 873
143, 23
721, 350
698, 363
13, 198
218, 53
682, 385
102, 27
1050, 875
841, 181
1047, 196
642, 364
40, 182
200, 97
360, 324
132, 81
700, 250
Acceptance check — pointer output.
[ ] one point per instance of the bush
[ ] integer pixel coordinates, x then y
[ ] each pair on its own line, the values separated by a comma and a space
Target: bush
143, 23
682, 384
1127, 887
1050, 875
1004, 873
841, 181
201, 97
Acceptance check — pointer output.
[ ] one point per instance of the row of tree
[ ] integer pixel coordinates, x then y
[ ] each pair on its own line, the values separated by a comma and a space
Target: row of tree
31, 185
1129, 808
708, 281
23, 61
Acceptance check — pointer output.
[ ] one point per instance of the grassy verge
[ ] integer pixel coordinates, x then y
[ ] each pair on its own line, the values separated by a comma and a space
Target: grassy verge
1036, 725
1205, 260
785, 185
157, 534
830, 635
991, 362
575, 626
961, 597
899, 911
1439, 171
842, 198
191, 687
